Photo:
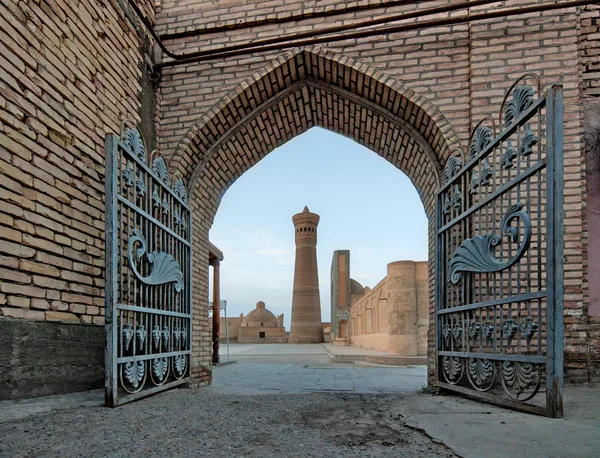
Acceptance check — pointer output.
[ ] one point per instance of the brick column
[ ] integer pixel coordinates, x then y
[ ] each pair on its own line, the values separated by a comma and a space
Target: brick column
306, 303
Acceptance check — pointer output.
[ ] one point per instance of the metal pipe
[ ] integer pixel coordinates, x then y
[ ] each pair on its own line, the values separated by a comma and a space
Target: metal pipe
226, 52
224, 307
151, 31
343, 28
311, 33
293, 17
216, 318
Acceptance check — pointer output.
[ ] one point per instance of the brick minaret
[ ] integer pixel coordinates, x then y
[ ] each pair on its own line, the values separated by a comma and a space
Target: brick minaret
306, 304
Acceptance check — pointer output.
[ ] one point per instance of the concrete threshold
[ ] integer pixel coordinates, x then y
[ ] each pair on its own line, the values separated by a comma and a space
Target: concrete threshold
474, 429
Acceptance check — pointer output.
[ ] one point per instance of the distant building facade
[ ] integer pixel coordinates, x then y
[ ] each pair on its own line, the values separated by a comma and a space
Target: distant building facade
259, 326
391, 317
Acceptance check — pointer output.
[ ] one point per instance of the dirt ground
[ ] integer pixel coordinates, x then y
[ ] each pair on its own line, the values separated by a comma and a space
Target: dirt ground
201, 422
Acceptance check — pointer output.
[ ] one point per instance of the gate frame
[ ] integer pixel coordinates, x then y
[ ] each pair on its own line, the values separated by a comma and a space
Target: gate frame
111, 399
552, 100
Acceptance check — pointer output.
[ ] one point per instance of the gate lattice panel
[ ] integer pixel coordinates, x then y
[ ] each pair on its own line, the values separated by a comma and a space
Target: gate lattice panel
148, 273
499, 258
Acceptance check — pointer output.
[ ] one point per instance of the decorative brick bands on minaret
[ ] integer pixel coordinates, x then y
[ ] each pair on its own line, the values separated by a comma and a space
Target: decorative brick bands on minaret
306, 303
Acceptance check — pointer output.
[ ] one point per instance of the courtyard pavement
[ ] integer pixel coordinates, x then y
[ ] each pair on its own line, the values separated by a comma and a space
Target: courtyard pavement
307, 368
291, 401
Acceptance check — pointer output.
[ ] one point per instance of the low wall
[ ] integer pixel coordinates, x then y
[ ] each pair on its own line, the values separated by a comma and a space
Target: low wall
377, 341
39, 358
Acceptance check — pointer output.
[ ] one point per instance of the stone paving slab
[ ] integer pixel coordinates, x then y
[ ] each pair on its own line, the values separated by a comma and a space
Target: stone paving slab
311, 376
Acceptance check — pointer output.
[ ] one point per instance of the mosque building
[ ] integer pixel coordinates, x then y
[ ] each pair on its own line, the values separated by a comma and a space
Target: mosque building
259, 326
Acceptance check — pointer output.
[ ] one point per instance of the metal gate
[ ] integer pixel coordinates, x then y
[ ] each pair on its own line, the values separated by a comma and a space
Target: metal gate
148, 273
499, 257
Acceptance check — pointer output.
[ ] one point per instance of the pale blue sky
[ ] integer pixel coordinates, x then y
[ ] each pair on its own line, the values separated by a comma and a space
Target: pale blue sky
366, 206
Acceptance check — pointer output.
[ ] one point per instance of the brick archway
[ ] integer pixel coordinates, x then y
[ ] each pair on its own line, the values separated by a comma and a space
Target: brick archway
297, 91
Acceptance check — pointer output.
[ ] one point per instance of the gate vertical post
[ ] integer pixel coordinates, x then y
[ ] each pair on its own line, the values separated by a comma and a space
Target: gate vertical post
110, 299
438, 279
554, 251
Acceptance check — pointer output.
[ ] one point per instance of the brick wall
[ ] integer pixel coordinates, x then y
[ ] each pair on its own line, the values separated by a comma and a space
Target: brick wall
220, 117
71, 71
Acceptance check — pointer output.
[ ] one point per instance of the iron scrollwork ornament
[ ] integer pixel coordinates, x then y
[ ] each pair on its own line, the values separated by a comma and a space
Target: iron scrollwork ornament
180, 364
510, 154
474, 332
457, 334
477, 254
481, 373
180, 190
456, 198
521, 381
127, 176
127, 337
486, 173
521, 100
133, 376
155, 198
447, 334
528, 329
165, 269
474, 183
160, 370
488, 332
529, 141
453, 369
447, 204
133, 140
140, 186
141, 337
159, 166
452, 168
481, 139
509, 330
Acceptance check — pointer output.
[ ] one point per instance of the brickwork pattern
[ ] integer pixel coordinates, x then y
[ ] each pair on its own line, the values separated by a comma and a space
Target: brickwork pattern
461, 73
69, 73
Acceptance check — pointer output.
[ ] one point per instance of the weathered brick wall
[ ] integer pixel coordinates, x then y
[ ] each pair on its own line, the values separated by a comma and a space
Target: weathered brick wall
69, 73
462, 70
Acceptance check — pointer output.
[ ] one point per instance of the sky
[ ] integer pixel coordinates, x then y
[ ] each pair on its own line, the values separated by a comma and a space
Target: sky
366, 205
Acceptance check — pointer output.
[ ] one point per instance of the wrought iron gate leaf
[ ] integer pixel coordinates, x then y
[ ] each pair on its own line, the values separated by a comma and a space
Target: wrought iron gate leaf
499, 267
148, 273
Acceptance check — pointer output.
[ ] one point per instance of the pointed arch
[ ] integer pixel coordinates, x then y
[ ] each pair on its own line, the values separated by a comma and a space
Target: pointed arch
301, 89
304, 88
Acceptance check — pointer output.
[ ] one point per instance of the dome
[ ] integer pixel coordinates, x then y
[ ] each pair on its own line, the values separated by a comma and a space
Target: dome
356, 287
260, 316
